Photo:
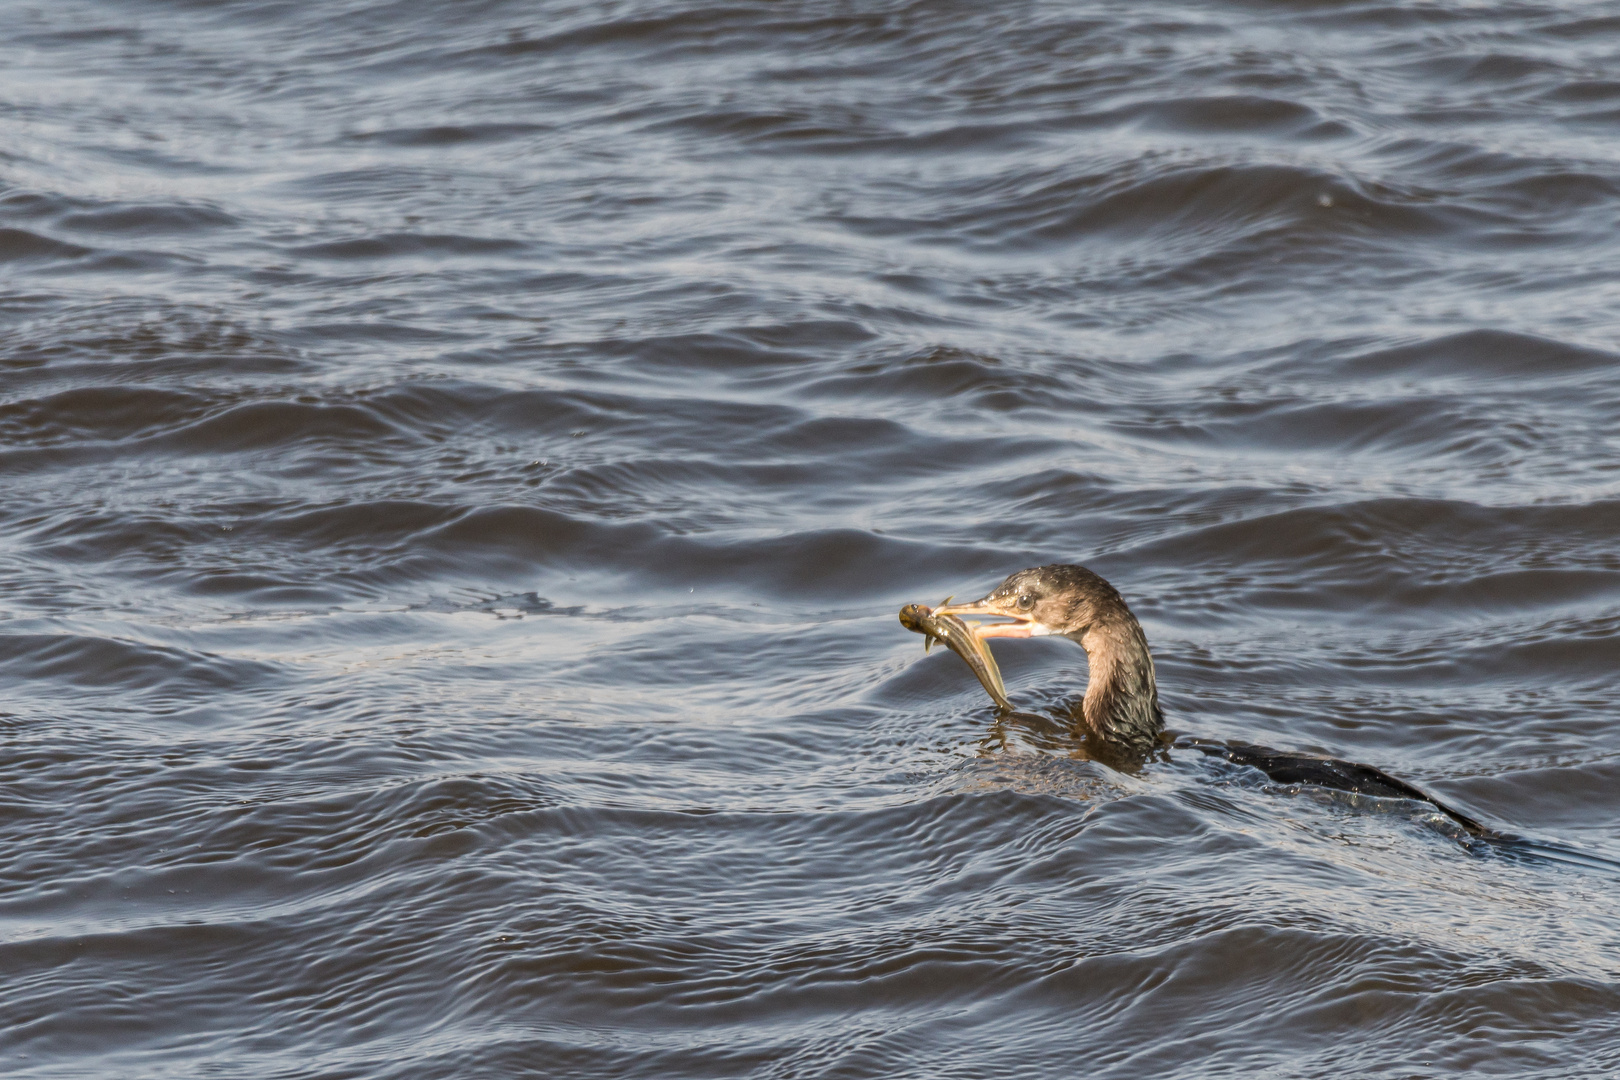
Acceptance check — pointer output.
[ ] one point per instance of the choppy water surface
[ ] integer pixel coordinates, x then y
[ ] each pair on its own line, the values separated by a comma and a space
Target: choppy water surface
461, 464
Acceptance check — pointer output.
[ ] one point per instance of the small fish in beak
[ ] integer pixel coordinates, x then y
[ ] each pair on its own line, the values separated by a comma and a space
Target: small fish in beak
962, 640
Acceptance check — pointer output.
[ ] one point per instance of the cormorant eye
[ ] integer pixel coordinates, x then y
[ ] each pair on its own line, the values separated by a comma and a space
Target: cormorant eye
1025, 602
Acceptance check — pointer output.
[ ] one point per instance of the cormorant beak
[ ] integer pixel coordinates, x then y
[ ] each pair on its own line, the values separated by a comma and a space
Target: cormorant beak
1022, 625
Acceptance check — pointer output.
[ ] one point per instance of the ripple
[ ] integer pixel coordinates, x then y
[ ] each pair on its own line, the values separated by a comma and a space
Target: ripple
18, 245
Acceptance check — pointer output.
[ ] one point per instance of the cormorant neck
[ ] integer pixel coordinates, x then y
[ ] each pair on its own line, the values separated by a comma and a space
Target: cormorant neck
1122, 695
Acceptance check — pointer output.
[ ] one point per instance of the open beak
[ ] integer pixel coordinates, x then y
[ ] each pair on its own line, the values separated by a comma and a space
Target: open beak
1021, 626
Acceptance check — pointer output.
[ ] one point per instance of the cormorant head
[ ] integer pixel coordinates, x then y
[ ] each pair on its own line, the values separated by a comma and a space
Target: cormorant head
1056, 599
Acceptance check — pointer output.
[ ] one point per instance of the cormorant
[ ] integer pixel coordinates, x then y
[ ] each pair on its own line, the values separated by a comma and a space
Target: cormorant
1121, 706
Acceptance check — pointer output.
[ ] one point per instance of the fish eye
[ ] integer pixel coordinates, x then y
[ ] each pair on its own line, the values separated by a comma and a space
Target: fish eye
1025, 602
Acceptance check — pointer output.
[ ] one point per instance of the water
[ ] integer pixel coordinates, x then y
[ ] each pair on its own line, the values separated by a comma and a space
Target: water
461, 464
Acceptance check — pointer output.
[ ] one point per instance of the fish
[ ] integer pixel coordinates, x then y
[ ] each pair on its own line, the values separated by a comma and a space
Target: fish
961, 640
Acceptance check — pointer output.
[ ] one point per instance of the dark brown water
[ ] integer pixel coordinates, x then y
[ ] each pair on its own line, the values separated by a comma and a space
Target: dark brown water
461, 464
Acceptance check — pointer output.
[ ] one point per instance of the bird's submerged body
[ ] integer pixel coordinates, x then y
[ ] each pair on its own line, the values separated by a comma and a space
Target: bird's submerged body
1121, 706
